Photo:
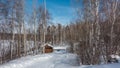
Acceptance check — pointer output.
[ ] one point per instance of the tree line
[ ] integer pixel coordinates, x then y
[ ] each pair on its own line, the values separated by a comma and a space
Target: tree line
20, 34
97, 29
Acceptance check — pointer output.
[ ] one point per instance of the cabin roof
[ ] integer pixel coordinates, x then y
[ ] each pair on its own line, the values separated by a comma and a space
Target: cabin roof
47, 45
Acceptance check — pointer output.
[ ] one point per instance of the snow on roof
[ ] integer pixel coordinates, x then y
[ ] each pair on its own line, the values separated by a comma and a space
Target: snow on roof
47, 44
115, 56
60, 47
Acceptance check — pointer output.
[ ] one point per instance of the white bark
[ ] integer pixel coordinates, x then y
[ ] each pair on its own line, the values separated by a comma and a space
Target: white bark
114, 8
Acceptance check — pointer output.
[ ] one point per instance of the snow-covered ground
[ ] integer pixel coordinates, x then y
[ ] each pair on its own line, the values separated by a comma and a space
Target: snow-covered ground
52, 60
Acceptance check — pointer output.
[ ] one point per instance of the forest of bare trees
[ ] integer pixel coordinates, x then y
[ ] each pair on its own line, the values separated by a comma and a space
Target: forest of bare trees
96, 29
21, 35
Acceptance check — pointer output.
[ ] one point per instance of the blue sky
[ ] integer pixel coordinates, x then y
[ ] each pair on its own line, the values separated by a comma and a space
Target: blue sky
61, 10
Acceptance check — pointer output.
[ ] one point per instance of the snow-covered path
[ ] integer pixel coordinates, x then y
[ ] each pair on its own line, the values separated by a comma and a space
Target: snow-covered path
44, 61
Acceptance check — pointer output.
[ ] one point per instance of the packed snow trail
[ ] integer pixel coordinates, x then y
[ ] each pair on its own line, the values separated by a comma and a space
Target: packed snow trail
44, 61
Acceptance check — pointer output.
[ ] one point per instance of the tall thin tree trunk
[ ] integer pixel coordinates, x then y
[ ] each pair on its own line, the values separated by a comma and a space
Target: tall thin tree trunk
114, 8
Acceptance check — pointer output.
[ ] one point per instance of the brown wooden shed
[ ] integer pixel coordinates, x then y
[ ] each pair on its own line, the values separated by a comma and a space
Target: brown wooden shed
47, 48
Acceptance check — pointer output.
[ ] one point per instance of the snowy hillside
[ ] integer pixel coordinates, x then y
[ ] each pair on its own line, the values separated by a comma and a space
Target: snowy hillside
53, 60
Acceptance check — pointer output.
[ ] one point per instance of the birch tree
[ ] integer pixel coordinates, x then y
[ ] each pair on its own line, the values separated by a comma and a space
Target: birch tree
19, 8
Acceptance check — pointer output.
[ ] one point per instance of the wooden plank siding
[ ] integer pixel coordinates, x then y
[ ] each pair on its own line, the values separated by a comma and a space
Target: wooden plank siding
48, 49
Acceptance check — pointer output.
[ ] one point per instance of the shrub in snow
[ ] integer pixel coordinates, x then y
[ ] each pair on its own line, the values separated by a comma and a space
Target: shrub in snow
113, 59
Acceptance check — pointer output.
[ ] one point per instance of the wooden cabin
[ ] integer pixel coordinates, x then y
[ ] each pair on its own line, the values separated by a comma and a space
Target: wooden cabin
47, 48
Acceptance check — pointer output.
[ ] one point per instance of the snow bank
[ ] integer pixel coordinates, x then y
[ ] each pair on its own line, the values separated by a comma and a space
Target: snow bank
115, 65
